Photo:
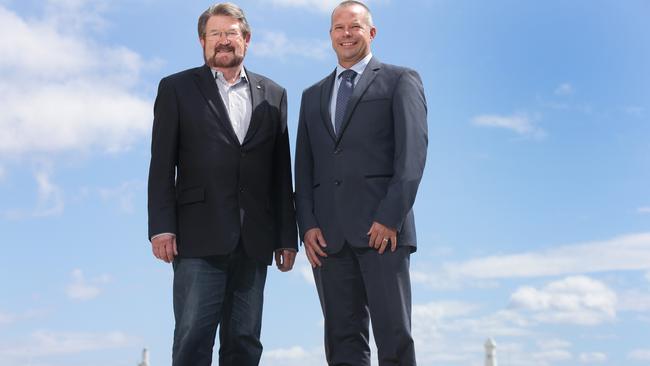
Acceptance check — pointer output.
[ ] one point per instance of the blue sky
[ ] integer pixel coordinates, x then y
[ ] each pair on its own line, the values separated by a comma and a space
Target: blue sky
533, 214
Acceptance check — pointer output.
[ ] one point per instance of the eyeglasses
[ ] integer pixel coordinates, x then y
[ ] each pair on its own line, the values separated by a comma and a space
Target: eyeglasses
230, 35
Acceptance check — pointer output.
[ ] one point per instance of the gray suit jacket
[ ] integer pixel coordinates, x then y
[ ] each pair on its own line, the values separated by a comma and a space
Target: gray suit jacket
372, 170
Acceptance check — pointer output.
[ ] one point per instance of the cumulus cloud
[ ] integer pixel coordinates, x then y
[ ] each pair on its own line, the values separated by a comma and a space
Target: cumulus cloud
50, 199
62, 91
277, 45
85, 289
592, 357
294, 356
574, 300
520, 123
639, 355
564, 89
623, 253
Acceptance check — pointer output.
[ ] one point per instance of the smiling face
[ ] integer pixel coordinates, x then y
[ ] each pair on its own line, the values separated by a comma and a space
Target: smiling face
224, 45
351, 34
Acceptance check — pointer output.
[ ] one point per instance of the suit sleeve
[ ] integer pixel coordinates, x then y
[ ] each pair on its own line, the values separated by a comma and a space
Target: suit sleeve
164, 158
304, 176
282, 187
410, 130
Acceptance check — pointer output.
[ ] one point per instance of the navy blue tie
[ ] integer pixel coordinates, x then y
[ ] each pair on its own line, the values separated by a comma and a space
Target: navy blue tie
342, 97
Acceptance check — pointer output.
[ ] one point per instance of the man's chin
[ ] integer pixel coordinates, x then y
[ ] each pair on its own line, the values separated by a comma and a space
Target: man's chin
229, 61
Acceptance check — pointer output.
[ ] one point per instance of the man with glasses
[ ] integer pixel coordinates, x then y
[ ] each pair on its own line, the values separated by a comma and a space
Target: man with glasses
360, 154
220, 193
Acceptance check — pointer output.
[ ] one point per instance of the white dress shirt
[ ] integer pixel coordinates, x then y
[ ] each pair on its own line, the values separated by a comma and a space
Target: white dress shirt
237, 99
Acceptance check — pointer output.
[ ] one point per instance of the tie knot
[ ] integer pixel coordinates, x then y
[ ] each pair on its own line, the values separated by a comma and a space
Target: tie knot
348, 75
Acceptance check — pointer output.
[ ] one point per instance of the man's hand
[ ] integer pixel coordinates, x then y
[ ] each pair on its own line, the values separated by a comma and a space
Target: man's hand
284, 259
380, 236
314, 241
164, 247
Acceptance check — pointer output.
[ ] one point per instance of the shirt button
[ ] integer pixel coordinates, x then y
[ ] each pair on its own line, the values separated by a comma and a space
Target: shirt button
337, 182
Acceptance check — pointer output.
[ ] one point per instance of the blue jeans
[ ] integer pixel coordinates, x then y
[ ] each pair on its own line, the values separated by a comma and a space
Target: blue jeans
225, 291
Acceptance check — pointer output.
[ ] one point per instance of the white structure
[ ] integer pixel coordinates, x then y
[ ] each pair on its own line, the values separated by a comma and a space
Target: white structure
145, 358
490, 352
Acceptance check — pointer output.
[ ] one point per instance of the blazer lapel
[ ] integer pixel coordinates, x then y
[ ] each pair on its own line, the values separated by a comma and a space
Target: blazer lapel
369, 74
210, 91
256, 87
325, 99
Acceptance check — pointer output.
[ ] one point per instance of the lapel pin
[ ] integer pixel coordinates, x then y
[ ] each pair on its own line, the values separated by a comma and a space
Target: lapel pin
259, 87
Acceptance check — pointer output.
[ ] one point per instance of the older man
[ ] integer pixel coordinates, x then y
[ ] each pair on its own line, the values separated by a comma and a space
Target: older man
220, 193
360, 154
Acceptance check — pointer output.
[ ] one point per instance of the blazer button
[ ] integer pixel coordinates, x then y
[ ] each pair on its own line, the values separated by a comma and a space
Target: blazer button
338, 151
241, 189
337, 182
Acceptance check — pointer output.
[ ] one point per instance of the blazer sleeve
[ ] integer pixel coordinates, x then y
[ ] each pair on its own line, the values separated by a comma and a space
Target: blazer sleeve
164, 158
282, 197
410, 132
304, 175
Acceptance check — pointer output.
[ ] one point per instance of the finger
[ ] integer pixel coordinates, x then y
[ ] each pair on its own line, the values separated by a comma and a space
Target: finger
311, 263
313, 259
169, 250
321, 239
317, 249
379, 240
278, 259
291, 259
393, 243
372, 238
175, 246
382, 247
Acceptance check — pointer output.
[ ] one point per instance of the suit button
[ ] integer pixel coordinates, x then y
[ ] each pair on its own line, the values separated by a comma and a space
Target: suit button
338, 151
337, 182
241, 189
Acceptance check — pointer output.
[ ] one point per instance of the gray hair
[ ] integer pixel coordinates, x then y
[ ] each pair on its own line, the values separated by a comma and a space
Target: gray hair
347, 3
227, 9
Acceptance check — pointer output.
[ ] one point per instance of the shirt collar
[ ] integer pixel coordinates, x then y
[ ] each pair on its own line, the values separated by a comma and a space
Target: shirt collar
359, 67
218, 75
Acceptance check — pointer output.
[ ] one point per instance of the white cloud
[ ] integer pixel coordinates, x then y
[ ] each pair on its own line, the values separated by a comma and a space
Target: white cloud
519, 123
564, 89
635, 300
64, 92
48, 343
552, 356
277, 45
573, 300
84, 289
294, 356
624, 253
643, 210
592, 357
123, 195
639, 355
50, 201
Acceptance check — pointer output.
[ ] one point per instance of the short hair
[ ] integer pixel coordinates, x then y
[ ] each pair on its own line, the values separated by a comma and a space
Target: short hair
347, 3
227, 9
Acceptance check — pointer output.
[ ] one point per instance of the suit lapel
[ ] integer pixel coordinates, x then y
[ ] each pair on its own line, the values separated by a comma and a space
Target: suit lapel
369, 74
210, 91
256, 87
325, 99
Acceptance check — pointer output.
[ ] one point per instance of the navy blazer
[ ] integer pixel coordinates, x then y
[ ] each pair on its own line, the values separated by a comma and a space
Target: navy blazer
206, 187
372, 169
